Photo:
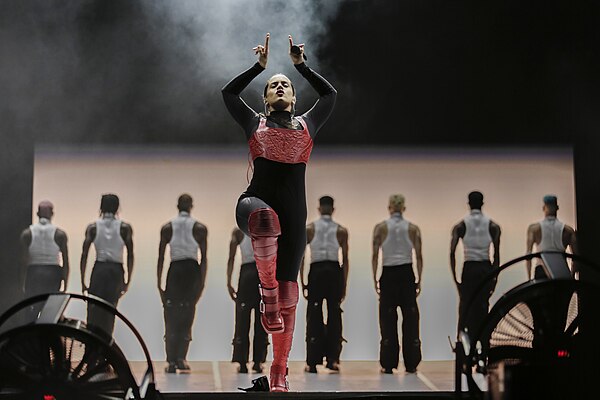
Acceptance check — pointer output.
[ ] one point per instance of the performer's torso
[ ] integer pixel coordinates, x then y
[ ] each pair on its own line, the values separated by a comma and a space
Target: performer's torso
108, 241
289, 146
43, 249
182, 245
279, 158
477, 239
247, 250
397, 246
325, 246
552, 232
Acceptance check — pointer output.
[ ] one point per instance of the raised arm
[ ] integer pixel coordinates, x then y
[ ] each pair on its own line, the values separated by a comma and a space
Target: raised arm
319, 113
239, 110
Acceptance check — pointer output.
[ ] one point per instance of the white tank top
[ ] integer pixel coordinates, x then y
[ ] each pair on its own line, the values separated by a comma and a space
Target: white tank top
183, 245
43, 249
552, 230
108, 242
477, 239
397, 246
325, 246
247, 250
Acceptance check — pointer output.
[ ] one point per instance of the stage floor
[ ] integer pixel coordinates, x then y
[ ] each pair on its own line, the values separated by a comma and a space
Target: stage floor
355, 376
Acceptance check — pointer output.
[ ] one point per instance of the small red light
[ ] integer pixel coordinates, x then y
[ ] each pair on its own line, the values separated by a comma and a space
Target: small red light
562, 353
49, 397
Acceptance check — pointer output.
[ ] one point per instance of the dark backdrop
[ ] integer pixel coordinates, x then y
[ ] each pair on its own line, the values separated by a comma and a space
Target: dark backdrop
432, 73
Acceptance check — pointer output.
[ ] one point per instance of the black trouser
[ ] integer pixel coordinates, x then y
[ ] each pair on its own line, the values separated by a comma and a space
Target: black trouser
248, 299
398, 289
107, 282
325, 282
181, 295
473, 274
41, 279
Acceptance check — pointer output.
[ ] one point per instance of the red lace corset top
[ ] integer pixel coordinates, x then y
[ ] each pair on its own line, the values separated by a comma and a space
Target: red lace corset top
283, 145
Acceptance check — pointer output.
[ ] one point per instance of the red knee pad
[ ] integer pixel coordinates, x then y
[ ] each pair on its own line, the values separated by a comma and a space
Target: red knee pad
263, 222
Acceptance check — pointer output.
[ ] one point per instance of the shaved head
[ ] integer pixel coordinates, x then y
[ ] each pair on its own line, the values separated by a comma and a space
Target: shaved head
45, 209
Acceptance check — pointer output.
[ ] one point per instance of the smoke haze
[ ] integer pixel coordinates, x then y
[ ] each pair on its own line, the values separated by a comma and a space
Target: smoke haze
98, 71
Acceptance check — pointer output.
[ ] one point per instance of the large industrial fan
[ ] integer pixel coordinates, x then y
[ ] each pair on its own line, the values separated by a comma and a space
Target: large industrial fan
46, 355
539, 340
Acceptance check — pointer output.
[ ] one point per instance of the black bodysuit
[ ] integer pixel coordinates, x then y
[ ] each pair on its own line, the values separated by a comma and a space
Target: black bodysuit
276, 184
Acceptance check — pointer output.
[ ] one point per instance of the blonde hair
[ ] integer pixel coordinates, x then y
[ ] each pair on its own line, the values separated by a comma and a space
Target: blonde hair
397, 202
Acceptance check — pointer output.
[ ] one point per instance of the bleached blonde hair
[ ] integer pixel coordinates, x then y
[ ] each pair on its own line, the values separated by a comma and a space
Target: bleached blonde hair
397, 202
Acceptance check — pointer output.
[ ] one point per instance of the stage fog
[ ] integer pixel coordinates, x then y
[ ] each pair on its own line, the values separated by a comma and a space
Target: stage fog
435, 182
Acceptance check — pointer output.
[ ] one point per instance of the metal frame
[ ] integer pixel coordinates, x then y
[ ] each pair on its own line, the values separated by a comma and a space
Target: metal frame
54, 307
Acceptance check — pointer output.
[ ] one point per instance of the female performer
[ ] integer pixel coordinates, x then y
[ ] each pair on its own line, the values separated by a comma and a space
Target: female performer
272, 210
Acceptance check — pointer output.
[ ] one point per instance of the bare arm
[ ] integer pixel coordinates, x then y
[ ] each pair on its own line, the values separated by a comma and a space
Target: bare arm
90, 235
200, 235
417, 244
496, 232
457, 233
127, 235
60, 237
531, 239
342, 237
25, 242
570, 240
236, 238
379, 234
166, 232
310, 234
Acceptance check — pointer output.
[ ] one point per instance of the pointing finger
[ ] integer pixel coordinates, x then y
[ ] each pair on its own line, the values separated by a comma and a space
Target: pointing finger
267, 42
291, 41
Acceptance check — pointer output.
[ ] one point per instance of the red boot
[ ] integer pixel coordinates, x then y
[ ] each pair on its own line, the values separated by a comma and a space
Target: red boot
282, 342
278, 379
264, 228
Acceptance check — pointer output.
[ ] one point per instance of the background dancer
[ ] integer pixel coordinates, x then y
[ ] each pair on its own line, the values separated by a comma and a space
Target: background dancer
398, 238
109, 235
272, 210
247, 299
185, 281
550, 234
326, 281
477, 232
43, 247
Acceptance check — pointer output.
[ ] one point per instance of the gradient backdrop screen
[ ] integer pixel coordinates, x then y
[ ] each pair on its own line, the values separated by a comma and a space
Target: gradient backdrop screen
435, 182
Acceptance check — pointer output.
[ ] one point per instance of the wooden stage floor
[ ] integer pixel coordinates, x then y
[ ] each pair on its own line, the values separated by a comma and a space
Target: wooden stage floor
355, 376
